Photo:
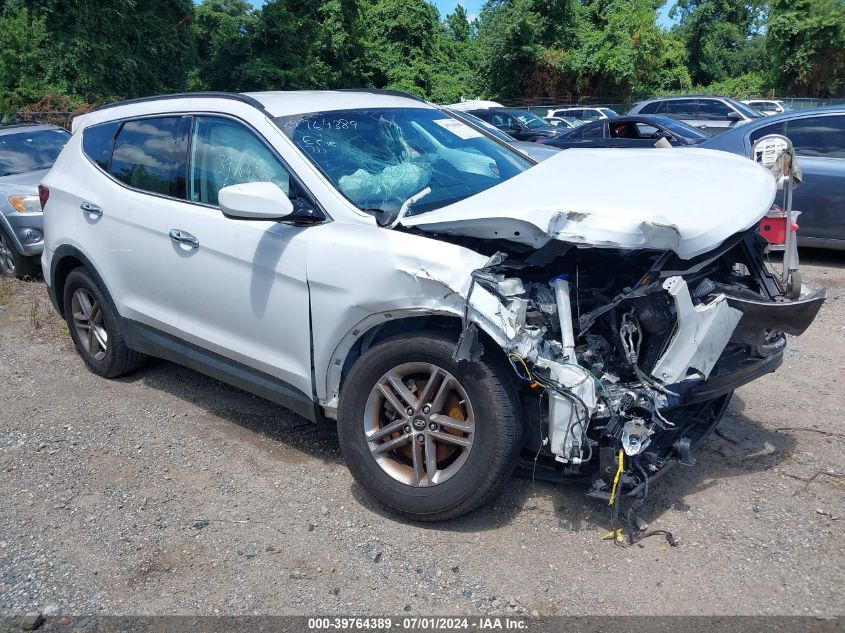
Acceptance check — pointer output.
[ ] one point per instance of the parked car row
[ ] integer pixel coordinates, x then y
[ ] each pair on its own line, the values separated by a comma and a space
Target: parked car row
628, 131
367, 257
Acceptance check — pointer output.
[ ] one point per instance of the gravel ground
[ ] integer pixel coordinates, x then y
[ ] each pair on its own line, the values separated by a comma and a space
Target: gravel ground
169, 492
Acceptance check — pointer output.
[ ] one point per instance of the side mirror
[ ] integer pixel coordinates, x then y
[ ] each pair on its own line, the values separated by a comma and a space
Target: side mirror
734, 116
255, 201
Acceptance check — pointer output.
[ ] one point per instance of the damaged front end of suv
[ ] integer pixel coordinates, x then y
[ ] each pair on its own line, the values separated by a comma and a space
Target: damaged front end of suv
632, 351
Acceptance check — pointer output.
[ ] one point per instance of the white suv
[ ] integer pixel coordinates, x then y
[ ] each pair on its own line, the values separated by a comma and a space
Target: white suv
368, 257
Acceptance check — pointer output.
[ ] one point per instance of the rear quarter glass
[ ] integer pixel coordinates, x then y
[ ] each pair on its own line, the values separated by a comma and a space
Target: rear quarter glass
97, 142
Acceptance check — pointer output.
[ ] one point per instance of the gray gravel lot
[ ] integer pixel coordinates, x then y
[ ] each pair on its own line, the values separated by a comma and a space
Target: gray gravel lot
169, 492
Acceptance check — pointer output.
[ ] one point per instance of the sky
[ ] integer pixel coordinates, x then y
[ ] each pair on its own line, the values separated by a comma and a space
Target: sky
474, 6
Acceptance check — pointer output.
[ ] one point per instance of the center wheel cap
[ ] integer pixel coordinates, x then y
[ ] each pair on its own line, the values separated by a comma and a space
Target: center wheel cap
419, 424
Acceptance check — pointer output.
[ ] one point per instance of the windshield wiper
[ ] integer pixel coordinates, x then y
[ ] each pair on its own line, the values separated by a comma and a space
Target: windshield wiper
403, 210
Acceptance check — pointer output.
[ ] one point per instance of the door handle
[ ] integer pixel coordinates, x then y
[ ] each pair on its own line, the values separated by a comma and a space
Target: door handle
183, 237
91, 209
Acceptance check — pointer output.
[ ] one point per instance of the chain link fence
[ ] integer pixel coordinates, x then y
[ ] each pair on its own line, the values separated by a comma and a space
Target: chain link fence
622, 104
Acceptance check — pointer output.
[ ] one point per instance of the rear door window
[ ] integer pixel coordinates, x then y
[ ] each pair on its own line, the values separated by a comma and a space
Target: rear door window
822, 136
682, 109
712, 110
589, 130
652, 108
775, 128
145, 155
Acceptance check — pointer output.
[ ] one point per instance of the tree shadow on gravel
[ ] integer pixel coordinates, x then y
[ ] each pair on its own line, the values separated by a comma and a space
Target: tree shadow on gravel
254, 418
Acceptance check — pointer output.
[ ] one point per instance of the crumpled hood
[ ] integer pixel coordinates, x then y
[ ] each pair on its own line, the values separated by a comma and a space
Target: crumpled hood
687, 200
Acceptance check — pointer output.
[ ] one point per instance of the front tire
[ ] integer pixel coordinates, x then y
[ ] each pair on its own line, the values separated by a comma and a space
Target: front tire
430, 437
95, 328
13, 263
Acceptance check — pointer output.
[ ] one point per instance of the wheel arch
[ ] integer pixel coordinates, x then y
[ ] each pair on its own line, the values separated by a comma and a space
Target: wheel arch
380, 326
65, 260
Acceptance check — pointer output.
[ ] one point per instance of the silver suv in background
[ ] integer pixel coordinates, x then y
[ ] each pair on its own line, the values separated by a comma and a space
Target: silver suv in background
27, 151
767, 107
581, 113
711, 114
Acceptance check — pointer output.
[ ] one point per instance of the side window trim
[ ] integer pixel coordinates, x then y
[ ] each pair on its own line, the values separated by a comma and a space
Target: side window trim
302, 189
172, 164
296, 183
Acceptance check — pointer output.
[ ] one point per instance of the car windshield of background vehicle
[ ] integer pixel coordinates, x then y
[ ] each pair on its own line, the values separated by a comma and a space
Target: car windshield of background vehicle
746, 111
608, 112
530, 121
379, 158
30, 151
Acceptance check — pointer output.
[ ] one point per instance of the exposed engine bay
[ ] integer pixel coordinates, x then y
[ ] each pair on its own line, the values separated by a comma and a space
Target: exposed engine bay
634, 355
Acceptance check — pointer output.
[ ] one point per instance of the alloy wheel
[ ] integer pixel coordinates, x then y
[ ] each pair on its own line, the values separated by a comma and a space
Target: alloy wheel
7, 262
419, 424
88, 322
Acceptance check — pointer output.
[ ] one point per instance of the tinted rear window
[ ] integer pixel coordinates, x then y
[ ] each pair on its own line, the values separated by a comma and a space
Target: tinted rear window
712, 110
97, 140
822, 136
682, 108
145, 154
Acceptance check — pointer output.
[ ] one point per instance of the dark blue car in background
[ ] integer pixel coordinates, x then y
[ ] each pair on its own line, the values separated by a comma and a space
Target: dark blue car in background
819, 140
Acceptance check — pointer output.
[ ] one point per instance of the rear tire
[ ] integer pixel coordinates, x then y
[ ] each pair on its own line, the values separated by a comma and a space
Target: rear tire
436, 463
95, 328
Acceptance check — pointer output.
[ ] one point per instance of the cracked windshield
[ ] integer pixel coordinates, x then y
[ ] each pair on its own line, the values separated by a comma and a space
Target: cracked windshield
386, 158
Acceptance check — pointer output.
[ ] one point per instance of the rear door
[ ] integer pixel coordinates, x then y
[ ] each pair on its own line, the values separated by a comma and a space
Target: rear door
820, 145
629, 134
713, 116
587, 135
685, 110
122, 218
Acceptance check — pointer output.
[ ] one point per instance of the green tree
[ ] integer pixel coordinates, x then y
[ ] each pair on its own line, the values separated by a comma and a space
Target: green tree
510, 36
222, 31
302, 44
458, 26
400, 39
624, 50
723, 38
118, 48
806, 39
23, 60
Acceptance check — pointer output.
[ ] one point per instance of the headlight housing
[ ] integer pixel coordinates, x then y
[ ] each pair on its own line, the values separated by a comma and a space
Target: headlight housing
25, 203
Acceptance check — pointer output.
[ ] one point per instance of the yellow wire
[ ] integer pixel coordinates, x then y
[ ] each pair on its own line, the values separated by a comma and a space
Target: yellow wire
524, 365
619, 470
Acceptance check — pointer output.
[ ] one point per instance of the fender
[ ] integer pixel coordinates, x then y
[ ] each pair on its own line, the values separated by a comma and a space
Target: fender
59, 271
7, 230
367, 326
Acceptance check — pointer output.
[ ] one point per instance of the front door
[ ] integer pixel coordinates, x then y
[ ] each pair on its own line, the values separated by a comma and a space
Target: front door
240, 284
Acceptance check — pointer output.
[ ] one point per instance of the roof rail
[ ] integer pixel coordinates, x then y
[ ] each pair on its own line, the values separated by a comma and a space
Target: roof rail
235, 96
384, 91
